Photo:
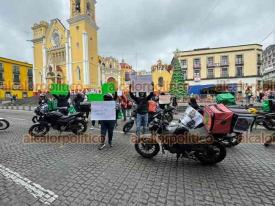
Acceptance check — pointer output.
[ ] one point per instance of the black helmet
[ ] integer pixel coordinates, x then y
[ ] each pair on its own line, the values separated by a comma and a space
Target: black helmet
108, 97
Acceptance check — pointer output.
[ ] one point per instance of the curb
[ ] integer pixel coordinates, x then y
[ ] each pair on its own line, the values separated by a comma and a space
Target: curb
22, 108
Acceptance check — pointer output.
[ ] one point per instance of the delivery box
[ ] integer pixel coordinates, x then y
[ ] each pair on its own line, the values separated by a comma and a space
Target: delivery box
218, 119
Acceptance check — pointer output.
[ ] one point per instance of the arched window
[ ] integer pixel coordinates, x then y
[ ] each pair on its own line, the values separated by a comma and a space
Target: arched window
161, 82
78, 71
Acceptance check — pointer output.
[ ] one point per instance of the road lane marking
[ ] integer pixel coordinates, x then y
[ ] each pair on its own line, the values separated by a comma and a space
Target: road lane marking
45, 196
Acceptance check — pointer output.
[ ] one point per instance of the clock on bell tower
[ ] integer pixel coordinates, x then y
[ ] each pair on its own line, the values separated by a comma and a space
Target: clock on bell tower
83, 38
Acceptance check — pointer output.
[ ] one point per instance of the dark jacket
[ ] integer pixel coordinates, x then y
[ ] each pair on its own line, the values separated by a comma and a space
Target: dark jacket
77, 100
142, 102
62, 101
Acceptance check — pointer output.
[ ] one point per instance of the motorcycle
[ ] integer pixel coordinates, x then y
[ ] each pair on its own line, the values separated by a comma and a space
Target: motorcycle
130, 123
76, 123
4, 124
267, 120
180, 139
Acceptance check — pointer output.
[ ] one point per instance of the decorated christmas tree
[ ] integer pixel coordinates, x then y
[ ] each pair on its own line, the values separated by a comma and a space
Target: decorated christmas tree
177, 87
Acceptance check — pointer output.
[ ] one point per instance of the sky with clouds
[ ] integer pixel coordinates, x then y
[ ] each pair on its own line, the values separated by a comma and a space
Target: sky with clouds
143, 31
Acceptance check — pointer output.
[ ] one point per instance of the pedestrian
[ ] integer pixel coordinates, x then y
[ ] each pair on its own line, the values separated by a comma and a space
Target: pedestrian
124, 103
107, 125
142, 109
62, 100
79, 98
174, 102
248, 95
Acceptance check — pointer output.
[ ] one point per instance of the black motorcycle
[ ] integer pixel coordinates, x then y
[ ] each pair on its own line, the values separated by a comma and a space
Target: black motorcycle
4, 124
180, 139
76, 123
267, 120
168, 113
43, 108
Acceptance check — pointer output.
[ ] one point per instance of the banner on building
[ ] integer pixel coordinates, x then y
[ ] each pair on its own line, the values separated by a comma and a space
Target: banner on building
103, 110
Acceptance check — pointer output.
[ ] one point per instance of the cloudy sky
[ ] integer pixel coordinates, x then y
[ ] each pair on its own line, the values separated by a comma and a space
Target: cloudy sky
142, 31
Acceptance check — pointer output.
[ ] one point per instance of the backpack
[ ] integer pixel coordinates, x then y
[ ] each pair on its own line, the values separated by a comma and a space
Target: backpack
152, 106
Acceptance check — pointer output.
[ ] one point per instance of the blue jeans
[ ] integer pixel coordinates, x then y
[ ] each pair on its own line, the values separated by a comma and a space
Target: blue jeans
107, 126
142, 120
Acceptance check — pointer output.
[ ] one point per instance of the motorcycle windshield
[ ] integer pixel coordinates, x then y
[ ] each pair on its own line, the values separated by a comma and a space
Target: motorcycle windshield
191, 118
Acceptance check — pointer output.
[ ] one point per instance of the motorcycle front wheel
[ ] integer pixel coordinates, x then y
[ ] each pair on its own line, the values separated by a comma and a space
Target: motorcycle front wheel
39, 130
268, 125
128, 126
147, 150
4, 124
212, 154
80, 127
35, 119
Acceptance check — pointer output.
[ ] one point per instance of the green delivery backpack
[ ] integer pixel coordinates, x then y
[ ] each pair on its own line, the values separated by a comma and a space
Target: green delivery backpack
266, 106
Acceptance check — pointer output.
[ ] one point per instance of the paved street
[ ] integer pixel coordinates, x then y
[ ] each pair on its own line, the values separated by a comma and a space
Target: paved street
80, 174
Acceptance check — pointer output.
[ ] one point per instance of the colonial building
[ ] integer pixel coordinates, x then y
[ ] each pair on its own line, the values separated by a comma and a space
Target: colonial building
161, 76
70, 55
126, 71
110, 71
234, 67
269, 64
16, 78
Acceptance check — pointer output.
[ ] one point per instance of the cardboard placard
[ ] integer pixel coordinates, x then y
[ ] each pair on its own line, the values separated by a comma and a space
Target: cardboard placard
142, 83
104, 110
164, 99
59, 89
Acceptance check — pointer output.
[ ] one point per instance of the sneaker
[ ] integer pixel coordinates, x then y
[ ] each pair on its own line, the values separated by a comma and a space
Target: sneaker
101, 147
92, 128
110, 144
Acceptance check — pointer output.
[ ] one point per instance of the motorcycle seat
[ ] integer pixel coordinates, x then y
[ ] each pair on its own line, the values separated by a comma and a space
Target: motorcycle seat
72, 116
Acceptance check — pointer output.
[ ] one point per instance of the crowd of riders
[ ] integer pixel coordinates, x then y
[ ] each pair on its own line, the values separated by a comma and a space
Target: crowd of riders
142, 103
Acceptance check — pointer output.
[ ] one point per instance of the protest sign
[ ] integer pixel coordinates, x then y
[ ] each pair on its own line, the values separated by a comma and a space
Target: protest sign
103, 110
191, 115
164, 99
59, 89
95, 97
108, 88
142, 83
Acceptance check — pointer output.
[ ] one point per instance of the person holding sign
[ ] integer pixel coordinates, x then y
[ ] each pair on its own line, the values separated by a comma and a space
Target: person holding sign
108, 125
62, 100
142, 109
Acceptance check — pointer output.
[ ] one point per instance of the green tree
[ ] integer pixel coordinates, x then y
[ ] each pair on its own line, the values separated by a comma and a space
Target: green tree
177, 87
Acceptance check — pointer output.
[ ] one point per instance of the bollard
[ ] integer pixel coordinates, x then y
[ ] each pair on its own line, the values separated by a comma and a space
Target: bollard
30, 108
12, 107
17, 107
23, 108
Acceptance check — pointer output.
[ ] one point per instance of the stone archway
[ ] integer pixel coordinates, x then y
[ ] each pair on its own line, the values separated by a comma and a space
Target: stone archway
113, 80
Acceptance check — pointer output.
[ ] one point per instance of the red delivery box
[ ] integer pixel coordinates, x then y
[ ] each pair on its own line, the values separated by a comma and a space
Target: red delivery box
217, 119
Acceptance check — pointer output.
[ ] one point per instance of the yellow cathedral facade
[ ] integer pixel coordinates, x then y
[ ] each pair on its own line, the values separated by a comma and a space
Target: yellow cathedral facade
68, 56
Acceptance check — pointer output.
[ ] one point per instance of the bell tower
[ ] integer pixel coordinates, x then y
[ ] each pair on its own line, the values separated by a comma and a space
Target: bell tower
83, 43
